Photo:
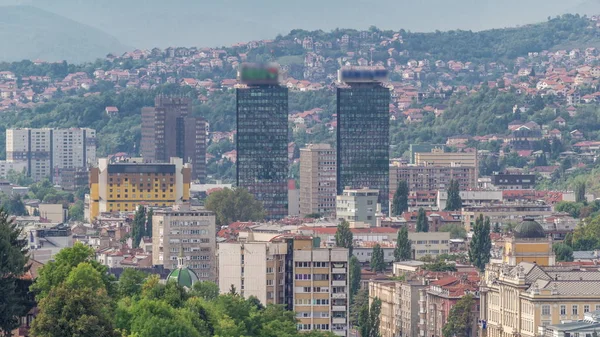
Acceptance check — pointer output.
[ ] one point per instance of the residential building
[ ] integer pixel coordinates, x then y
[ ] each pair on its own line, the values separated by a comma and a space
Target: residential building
505, 213
471, 198
262, 145
401, 314
254, 268
191, 230
293, 198
363, 136
358, 205
423, 147
321, 289
442, 295
429, 243
290, 270
169, 130
7, 166
437, 157
318, 180
432, 178
123, 186
513, 181
48, 151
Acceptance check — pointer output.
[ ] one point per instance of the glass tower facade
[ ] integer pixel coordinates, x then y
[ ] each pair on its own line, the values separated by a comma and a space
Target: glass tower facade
262, 152
363, 139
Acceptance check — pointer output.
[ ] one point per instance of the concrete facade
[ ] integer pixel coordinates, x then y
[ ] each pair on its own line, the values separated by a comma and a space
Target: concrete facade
318, 180
357, 205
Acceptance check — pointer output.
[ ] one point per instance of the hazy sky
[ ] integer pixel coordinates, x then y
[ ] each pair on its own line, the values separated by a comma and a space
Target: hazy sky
149, 23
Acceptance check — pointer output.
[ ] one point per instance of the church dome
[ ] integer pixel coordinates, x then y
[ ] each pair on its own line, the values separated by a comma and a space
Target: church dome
183, 276
529, 229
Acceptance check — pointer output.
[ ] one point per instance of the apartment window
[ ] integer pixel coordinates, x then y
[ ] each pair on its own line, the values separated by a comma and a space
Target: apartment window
321, 301
303, 276
321, 277
269, 282
597, 307
302, 264
586, 308
269, 270
563, 310
545, 310
575, 309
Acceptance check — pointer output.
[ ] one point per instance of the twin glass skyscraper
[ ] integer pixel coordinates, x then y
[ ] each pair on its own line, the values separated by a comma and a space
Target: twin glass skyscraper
362, 138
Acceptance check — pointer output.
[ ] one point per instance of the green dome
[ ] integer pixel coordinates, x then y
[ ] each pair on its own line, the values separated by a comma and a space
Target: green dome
183, 276
529, 229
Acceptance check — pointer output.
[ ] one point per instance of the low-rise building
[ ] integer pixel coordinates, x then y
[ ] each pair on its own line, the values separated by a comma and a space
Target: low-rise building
505, 213
357, 205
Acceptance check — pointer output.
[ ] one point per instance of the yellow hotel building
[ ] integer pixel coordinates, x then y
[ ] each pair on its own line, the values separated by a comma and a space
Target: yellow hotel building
121, 187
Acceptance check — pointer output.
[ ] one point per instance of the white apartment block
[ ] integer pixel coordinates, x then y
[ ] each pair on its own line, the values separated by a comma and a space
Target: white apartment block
358, 205
290, 270
46, 150
190, 230
253, 269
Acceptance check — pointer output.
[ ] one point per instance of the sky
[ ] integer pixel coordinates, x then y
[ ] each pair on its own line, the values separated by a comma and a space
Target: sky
159, 23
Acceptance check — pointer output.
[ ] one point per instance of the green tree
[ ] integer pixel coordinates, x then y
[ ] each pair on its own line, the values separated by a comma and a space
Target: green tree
497, 227
148, 231
13, 204
457, 231
377, 259
76, 211
440, 266
139, 226
563, 252
454, 202
354, 272
403, 250
78, 307
400, 202
130, 282
481, 244
344, 237
460, 318
14, 298
580, 191
361, 297
56, 272
207, 290
368, 318
422, 223
234, 205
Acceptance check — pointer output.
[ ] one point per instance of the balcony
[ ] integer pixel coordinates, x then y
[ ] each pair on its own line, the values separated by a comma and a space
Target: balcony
338, 308
338, 320
338, 271
338, 295
339, 332
339, 283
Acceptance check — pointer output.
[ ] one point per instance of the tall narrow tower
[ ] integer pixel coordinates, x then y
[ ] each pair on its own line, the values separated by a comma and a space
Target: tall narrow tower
262, 137
363, 132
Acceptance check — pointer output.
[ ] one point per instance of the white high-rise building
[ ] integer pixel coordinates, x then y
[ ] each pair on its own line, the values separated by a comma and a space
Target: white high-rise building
48, 151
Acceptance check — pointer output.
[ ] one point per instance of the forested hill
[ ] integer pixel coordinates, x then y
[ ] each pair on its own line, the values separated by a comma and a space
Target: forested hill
567, 31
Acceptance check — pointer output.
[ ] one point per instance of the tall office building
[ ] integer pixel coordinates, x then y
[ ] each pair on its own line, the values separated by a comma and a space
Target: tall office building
262, 138
122, 187
317, 180
168, 131
190, 230
49, 151
363, 132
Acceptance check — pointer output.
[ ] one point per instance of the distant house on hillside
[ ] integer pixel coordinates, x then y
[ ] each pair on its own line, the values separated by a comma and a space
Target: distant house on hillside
112, 111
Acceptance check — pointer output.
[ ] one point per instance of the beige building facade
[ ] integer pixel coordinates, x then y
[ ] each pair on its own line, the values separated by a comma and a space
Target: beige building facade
190, 230
437, 157
399, 306
318, 180
433, 178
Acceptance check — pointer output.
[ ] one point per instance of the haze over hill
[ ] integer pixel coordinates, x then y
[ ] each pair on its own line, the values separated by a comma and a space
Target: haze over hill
31, 33
160, 23
100, 27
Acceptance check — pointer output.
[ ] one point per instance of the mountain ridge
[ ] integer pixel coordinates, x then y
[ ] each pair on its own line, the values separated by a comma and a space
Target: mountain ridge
33, 33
